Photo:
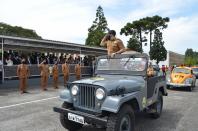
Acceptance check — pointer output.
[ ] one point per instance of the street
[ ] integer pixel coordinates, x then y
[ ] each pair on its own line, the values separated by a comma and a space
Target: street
34, 112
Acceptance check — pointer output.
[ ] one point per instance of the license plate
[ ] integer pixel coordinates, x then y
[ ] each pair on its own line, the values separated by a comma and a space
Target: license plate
76, 118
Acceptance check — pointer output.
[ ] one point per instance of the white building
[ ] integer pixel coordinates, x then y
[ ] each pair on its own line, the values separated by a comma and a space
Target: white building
173, 58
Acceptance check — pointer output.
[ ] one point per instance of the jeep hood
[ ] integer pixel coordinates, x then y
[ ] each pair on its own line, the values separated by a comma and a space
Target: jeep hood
111, 82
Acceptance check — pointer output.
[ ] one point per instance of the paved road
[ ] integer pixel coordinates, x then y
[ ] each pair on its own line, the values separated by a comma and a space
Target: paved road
33, 112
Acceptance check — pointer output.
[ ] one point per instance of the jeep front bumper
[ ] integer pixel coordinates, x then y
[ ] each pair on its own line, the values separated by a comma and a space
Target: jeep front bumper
87, 117
178, 85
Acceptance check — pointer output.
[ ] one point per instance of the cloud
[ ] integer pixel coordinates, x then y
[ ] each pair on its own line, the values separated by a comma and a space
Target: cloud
69, 20
182, 34
65, 21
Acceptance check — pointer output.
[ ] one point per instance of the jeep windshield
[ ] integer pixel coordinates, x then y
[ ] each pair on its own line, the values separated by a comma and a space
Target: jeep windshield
121, 65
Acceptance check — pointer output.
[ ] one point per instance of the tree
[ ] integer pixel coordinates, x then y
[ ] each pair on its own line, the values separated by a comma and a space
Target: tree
9, 30
155, 22
144, 27
158, 52
136, 27
97, 31
134, 44
191, 57
189, 53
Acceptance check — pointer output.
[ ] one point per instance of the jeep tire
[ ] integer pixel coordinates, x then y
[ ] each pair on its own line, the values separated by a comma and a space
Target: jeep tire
157, 106
71, 126
124, 120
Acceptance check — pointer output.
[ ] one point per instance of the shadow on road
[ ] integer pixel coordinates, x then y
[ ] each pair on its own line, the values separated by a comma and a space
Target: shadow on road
183, 89
144, 122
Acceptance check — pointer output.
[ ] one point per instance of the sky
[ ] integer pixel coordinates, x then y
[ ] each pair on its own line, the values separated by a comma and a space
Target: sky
69, 20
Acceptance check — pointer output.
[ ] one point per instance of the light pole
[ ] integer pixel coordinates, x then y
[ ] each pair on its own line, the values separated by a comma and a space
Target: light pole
2, 53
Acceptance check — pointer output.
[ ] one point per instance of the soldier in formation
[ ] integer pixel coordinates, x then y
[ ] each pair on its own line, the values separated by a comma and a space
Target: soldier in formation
23, 74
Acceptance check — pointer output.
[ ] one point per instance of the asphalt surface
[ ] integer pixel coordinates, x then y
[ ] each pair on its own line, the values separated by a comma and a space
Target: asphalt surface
33, 111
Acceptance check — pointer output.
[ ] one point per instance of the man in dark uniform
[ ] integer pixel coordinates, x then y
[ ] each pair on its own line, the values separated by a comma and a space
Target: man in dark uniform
23, 73
55, 75
65, 70
78, 71
44, 74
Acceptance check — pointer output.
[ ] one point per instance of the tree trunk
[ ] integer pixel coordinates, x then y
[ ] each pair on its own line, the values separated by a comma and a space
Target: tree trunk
141, 40
150, 40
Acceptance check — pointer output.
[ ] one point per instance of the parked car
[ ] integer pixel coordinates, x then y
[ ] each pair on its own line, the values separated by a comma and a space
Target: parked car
182, 77
120, 88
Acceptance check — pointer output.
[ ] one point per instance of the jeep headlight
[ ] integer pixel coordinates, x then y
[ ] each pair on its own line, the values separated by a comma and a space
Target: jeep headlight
188, 81
74, 90
100, 94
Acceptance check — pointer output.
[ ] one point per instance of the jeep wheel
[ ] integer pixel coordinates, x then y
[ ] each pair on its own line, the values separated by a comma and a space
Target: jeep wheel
71, 126
124, 120
157, 107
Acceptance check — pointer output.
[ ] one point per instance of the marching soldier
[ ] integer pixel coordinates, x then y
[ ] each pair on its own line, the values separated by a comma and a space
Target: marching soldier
55, 75
65, 70
78, 71
23, 73
113, 44
44, 74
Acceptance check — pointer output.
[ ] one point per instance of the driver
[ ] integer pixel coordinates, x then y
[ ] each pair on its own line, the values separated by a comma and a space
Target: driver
150, 71
113, 44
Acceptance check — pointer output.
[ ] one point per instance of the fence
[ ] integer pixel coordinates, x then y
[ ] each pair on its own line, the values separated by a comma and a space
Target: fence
10, 72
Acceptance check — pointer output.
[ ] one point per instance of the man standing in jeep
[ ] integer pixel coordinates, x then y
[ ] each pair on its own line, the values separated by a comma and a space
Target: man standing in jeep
113, 44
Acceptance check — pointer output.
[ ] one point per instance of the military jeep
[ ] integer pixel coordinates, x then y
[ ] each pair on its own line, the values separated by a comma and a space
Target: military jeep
119, 89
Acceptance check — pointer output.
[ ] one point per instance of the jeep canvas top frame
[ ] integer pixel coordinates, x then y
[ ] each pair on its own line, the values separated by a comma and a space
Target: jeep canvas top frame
124, 64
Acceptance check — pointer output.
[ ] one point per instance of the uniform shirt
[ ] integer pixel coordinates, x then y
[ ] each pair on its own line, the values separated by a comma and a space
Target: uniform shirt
113, 45
22, 71
55, 70
44, 69
65, 69
77, 69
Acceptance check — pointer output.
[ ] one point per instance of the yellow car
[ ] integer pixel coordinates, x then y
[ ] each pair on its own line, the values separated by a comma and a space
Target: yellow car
182, 77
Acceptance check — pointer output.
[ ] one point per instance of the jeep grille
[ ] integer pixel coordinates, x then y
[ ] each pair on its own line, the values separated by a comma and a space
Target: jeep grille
86, 96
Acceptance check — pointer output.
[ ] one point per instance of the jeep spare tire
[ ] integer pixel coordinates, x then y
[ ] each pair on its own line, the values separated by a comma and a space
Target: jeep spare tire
124, 120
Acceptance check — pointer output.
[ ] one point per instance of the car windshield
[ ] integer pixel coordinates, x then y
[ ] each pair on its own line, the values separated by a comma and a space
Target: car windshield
122, 64
195, 70
181, 70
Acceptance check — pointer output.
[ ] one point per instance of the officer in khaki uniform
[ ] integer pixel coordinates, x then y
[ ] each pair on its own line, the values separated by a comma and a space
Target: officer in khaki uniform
150, 71
44, 74
65, 70
55, 75
78, 71
23, 73
113, 44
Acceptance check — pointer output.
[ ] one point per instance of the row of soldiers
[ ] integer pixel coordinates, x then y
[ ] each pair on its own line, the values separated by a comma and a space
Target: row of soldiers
23, 73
